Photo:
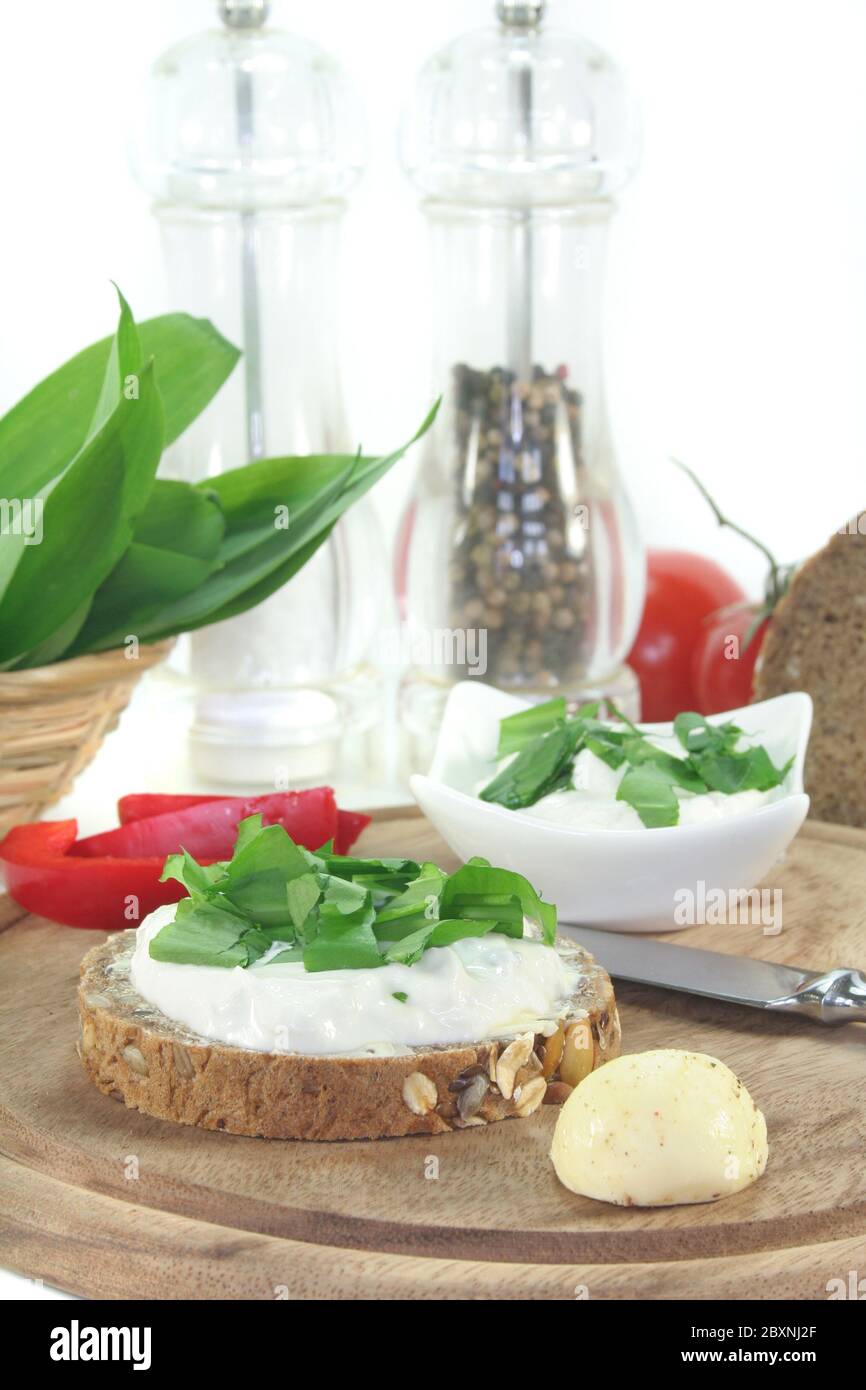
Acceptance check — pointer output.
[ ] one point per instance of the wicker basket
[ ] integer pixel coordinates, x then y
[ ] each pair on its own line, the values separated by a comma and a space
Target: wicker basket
52, 721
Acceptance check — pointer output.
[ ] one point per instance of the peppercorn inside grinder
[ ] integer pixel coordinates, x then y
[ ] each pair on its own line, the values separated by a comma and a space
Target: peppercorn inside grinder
519, 560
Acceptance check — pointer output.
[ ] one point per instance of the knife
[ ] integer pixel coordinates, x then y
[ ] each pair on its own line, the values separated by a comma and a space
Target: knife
835, 996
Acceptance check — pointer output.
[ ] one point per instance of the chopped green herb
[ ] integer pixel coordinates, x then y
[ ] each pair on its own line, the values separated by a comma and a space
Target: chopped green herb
334, 912
400, 995
410, 947
417, 904
302, 895
546, 743
517, 730
536, 769
197, 879
639, 752
293, 955
606, 748
499, 895
649, 791
751, 770
206, 935
343, 941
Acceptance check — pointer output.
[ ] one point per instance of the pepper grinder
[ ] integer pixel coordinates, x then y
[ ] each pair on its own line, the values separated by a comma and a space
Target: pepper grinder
520, 560
250, 141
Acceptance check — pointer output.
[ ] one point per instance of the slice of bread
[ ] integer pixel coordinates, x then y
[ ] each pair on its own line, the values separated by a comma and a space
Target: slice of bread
136, 1054
816, 642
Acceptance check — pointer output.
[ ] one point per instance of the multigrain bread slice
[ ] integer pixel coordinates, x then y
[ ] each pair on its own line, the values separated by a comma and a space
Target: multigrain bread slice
816, 642
136, 1054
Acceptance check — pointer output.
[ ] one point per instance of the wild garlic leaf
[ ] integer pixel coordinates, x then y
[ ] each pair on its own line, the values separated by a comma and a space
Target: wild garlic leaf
199, 880
237, 910
609, 750
483, 894
343, 941
517, 730
293, 955
204, 935
262, 897
457, 929
250, 574
750, 770
649, 791
343, 896
409, 948
175, 546
639, 752
40, 434
271, 848
417, 904
697, 734
302, 894
534, 771
87, 523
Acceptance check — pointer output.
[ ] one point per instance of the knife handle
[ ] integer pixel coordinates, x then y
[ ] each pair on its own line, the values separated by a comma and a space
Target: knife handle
837, 997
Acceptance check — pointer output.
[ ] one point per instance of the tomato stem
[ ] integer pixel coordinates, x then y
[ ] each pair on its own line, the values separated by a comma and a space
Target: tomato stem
777, 580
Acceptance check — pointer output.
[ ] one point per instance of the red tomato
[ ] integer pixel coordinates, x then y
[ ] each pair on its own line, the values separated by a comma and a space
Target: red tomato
723, 663
682, 590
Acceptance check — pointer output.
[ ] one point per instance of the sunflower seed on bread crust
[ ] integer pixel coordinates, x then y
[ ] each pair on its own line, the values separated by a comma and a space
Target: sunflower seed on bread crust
133, 1052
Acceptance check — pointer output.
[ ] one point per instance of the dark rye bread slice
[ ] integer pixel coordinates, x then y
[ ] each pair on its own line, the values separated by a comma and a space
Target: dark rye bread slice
136, 1054
816, 642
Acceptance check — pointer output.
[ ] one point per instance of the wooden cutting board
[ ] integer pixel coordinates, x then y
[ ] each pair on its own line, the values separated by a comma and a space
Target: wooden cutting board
106, 1202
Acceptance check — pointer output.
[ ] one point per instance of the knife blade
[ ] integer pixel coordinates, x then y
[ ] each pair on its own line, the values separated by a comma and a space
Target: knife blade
831, 997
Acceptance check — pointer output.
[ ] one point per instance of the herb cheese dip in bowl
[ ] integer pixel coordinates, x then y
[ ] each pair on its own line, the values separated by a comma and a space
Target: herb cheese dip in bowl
619, 824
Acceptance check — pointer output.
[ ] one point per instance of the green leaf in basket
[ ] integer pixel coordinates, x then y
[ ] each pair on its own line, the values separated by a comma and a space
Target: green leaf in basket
87, 522
42, 432
257, 572
176, 545
182, 518
124, 357
54, 646
315, 521
260, 498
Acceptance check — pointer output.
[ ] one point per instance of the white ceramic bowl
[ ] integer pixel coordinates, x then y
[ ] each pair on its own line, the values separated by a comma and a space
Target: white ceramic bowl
622, 880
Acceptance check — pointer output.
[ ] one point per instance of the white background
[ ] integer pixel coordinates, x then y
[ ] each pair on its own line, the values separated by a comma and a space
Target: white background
736, 334
737, 293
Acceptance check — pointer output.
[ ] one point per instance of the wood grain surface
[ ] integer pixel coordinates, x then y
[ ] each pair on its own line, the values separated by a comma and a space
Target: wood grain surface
105, 1201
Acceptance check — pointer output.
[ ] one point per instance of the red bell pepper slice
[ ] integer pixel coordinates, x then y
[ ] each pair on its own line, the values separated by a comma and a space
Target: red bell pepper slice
112, 881
43, 876
207, 830
139, 805
349, 826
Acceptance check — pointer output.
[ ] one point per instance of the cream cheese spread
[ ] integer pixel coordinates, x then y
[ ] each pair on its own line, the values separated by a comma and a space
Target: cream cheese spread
480, 987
